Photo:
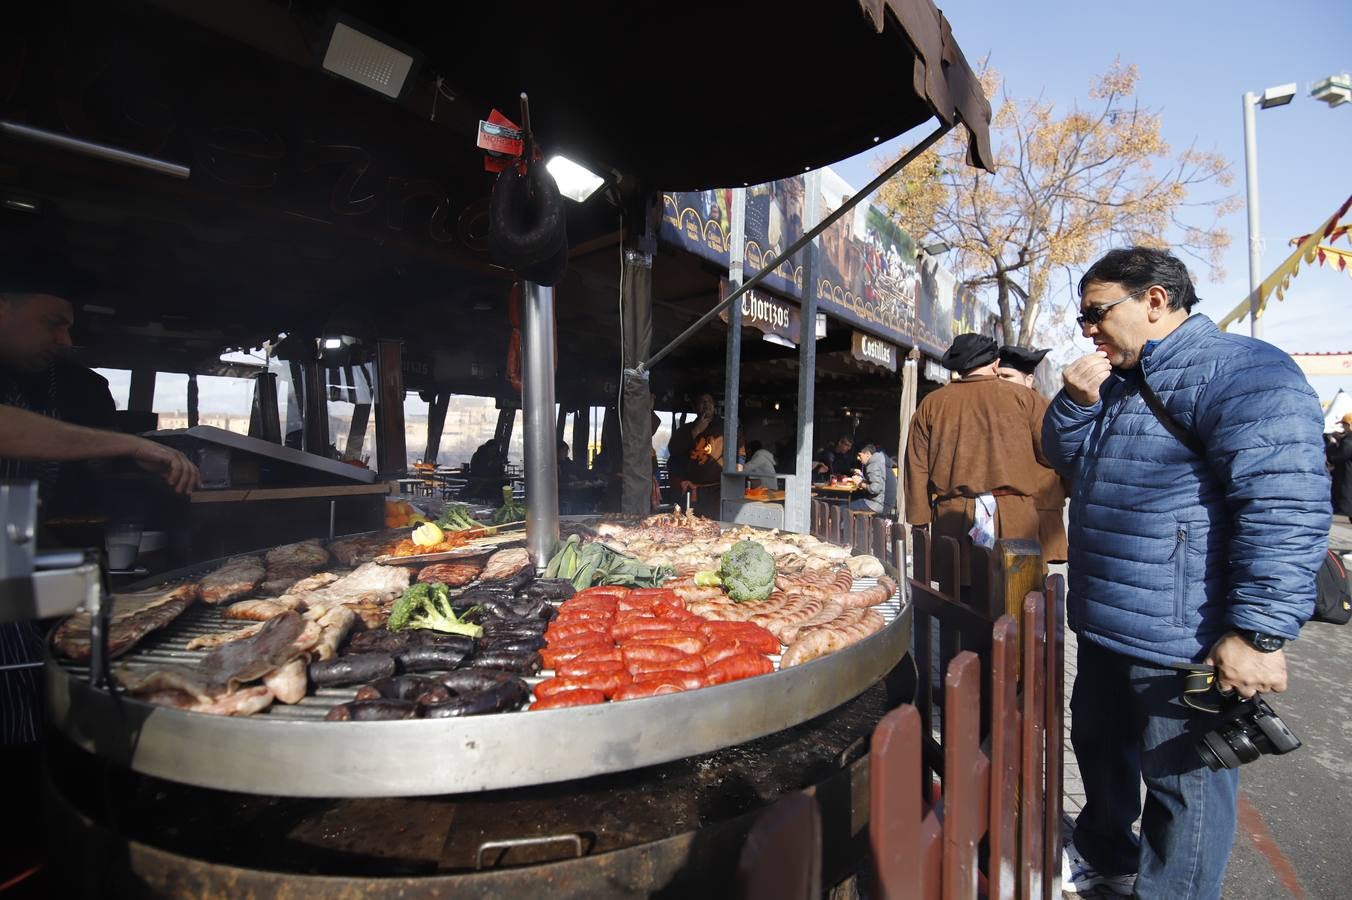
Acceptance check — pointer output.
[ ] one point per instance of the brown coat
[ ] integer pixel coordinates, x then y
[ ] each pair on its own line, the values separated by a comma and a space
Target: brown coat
972, 437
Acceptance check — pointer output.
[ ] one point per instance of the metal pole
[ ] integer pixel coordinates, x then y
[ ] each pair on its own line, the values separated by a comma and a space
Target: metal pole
797, 245
732, 385
537, 395
101, 151
1251, 203
798, 503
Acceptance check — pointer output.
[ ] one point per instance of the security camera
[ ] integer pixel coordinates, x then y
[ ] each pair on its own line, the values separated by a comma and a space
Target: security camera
1334, 90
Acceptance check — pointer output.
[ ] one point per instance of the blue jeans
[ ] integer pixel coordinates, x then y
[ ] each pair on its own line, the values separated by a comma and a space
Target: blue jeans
1128, 725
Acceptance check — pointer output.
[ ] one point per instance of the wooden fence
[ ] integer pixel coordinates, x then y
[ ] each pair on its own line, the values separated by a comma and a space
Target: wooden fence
965, 784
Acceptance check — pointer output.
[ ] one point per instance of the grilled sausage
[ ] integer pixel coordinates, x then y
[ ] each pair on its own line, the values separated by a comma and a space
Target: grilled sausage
479, 691
551, 589
743, 665
691, 663
354, 669
637, 690
373, 711
570, 698
405, 687
379, 640
430, 657
687, 681
686, 643
524, 662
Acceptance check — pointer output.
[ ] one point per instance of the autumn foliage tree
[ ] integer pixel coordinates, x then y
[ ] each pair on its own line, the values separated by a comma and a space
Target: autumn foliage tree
1066, 186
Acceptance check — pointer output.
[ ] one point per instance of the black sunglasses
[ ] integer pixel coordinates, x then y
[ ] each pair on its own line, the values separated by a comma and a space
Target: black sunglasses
1092, 315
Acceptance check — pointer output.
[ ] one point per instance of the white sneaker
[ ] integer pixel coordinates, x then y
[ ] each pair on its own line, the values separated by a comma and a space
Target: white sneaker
1078, 877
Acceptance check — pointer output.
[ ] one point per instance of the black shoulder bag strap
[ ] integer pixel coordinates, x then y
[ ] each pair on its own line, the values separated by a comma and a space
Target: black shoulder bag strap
1185, 437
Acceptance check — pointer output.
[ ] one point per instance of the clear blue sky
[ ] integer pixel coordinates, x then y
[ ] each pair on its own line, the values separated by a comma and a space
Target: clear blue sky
1196, 60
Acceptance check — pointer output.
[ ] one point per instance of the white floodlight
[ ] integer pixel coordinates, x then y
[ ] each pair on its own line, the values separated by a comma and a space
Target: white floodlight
333, 343
575, 182
361, 58
1334, 90
1280, 95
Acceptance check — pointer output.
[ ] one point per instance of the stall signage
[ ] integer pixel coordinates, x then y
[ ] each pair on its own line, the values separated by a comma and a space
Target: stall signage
869, 349
766, 314
937, 373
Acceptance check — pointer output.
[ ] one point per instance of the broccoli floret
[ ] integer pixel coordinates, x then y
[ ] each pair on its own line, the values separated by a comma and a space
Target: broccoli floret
747, 572
429, 606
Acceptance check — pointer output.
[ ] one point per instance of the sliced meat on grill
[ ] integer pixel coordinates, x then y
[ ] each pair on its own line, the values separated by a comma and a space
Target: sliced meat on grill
243, 702
370, 584
184, 680
335, 624
455, 574
235, 579
134, 615
288, 682
252, 658
505, 564
254, 610
362, 548
277, 581
308, 555
212, 641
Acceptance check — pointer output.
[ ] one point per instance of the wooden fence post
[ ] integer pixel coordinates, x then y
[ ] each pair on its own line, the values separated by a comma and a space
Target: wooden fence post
966, 776
1033, 823
1003, 869
905, 836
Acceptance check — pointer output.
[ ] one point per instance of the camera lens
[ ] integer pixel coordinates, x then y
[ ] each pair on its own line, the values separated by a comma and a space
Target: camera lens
1216, 753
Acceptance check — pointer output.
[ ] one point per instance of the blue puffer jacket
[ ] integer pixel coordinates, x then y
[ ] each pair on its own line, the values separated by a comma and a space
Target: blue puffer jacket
1169, 551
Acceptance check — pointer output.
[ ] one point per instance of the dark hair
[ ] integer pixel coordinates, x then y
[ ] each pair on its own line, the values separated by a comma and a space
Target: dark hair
1137, 268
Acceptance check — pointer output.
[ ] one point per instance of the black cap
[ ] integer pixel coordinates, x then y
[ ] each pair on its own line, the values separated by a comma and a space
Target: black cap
969, 351
1021, 358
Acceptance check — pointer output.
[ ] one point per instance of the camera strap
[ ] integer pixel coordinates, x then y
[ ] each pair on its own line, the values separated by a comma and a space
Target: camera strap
1199, 687
1172, 425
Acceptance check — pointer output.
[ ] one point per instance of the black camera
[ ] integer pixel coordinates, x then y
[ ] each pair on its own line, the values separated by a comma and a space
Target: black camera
1248, 729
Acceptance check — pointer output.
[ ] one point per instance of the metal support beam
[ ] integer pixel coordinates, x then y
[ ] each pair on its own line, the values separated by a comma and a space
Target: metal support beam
798, 491
537, 394
193, 406
263, 421
391, 452
356, 432
315, 412
141, 397
436, 424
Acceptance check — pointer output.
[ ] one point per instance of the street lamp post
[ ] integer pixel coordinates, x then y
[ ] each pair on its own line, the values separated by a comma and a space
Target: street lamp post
1275, 96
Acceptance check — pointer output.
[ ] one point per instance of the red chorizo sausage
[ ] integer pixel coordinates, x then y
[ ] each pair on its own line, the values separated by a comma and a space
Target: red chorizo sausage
686, 643
650, 653
580, 697
743, 665
647, 689
588, 665
687, 681
688, 663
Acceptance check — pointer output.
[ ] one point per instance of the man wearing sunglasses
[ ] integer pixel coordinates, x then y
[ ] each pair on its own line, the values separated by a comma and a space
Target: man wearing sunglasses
1199, 516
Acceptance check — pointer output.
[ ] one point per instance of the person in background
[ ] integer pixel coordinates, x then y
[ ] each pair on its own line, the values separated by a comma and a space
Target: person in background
837, 459
696, 461
974, 454
761, 462
1017, 366
1338, 452
878, 483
